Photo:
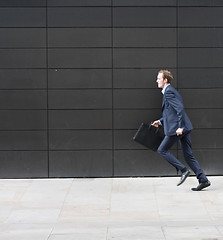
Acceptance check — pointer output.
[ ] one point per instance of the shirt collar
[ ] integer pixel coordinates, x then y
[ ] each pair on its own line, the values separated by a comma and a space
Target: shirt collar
164, 89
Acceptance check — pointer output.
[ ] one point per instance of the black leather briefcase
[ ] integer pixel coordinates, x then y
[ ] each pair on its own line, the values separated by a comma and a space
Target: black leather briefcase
149, 136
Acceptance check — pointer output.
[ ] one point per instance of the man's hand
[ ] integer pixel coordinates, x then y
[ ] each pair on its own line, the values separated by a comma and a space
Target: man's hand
179, 131
156, 123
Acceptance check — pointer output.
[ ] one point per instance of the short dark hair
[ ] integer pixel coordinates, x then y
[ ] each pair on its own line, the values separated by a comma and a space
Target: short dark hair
167, 75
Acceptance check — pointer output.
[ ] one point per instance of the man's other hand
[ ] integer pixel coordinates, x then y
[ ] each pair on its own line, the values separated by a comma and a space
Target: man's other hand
179, 131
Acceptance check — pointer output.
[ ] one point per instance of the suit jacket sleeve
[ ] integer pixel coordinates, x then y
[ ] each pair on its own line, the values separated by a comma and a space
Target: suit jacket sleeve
161, 121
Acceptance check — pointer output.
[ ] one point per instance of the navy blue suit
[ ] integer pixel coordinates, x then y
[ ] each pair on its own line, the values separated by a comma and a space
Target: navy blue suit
174, 117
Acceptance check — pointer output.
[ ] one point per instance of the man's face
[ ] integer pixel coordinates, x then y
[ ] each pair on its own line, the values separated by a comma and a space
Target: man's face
161, 82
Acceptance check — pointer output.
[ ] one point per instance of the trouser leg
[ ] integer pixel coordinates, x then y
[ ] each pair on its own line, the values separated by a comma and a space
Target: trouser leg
163, 150
185, 141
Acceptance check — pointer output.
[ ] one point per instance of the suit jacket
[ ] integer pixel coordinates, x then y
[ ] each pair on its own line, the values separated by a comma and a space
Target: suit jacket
174, 115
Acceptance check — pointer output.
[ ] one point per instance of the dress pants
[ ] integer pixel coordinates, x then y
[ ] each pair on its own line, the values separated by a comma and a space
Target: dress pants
185, 142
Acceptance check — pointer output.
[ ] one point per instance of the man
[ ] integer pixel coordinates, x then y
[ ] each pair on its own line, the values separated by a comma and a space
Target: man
177, 127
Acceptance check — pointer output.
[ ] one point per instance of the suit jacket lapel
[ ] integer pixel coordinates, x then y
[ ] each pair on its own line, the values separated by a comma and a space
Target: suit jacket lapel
163, 103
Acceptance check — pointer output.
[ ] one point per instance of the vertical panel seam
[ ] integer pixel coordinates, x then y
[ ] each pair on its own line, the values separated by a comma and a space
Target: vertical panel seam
47, 92
112, 72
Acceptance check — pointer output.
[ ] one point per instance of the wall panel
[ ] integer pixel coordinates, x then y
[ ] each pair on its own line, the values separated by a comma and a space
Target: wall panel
23, 58
206, 118
79, 37
79, 17
79, 78
80, 139
23, 140
198, 3
207, 138
144, 58
200, 78
144, 17
97, 163
137, 98
23, 99
202, 98
79, 58
80, 99
144, 37
200, 57
23, 38
23, 3
144, 3
22, 17
79, 119
82, 3
24, 164
200, 17
23, 119
23, 79
191, 37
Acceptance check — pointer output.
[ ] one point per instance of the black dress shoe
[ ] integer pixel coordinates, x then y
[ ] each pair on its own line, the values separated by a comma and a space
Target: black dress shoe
183, 177
201, 186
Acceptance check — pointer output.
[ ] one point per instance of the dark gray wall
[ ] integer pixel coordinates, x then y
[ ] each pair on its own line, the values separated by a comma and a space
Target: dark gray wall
78, 77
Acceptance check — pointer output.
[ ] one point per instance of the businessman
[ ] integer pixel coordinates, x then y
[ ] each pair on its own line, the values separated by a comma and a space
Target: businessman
177, 127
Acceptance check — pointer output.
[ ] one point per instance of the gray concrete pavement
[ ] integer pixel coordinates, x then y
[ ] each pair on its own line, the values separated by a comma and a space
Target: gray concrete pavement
110, 209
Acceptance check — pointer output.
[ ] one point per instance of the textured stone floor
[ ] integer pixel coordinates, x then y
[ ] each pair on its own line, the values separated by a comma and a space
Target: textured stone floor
110, 209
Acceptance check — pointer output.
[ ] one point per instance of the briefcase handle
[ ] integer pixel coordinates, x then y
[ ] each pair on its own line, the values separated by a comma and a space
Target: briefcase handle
157, 128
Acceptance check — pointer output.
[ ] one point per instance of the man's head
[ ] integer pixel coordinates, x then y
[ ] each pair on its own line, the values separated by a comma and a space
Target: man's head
164, 77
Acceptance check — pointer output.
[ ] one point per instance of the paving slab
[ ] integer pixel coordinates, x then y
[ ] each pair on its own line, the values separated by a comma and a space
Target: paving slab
110, 209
